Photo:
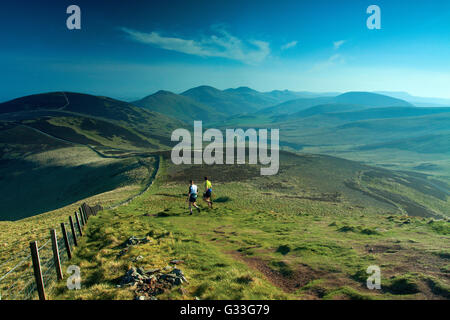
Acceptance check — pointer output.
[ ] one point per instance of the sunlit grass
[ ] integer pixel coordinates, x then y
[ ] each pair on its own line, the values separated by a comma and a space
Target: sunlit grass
257, 244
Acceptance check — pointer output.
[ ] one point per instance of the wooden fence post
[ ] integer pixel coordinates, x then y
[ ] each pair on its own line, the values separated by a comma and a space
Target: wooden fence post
78, 223
66, 240
83, 223
37, 269
86, 217
56, 254
83, 212
75, 241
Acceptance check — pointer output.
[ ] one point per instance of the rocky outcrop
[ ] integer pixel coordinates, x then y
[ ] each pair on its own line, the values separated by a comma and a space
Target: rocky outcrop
147, 284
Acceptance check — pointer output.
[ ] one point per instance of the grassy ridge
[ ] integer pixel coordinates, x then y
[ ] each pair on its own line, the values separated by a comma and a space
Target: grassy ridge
267, 238
16, 235
98, 119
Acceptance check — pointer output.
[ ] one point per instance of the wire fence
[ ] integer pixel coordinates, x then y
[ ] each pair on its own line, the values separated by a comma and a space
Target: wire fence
19, 278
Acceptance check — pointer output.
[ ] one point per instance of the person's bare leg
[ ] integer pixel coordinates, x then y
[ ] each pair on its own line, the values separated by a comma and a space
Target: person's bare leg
206, 200
195, 205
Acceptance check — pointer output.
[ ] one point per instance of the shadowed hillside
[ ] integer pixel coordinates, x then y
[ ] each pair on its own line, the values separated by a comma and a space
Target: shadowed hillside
74, 114
59, 148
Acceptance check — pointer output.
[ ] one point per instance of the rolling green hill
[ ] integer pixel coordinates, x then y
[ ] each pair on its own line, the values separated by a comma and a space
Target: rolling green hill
423, 144
402, 137
363, 99
387, 113
329, 130
238, 100
293, 106
40, 182
221, 101
371, 99
178, 106
45, 166
319, 110
59, 148
343, 113
396, 128
71, 115
259, 99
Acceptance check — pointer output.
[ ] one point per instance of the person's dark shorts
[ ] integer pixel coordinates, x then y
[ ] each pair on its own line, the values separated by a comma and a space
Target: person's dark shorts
192, 199
208, 193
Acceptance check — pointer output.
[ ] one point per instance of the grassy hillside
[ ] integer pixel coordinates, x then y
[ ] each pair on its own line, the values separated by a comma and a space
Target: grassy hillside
238, 100
348, 113
219, 100
424, 144
327, 130
17, 141
307, 233
371, 99
15, 236
407, 138
324, 108
45, 181
152, 127
366, 99
59, 148
178, 106
296, 105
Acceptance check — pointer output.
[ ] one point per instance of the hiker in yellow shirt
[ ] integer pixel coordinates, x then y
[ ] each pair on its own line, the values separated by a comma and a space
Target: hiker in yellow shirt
208, 192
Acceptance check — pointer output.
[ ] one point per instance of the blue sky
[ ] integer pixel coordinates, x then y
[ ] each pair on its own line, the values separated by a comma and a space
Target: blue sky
129, 49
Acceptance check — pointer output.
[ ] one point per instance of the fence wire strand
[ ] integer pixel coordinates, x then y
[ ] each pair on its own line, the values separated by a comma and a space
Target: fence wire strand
18, 282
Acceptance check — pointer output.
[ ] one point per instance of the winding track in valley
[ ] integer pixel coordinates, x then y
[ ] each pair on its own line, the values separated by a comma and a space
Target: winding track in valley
73, 143
149, 184
151, 179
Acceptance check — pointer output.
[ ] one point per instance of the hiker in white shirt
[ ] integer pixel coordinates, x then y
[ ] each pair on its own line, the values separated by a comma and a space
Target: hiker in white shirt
192, 197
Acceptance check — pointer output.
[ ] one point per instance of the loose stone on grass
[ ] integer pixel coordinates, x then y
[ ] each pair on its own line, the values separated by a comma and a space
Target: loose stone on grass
147, 284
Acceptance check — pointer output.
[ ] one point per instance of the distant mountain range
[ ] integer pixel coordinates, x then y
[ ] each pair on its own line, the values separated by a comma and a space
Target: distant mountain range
210, 104
418, 101
358, 100
367, 126
360, 118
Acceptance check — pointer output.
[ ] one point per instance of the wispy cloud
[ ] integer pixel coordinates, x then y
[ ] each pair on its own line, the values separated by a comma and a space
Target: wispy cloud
222, 44
333, 60
289, 45
338, 44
